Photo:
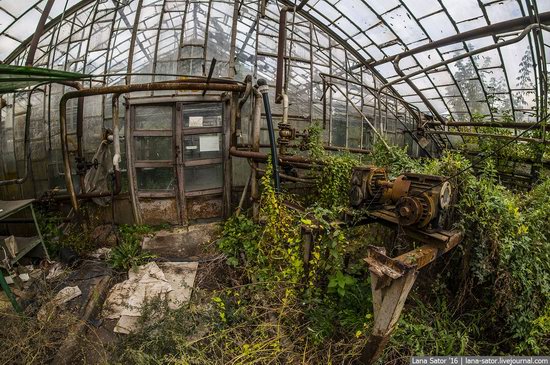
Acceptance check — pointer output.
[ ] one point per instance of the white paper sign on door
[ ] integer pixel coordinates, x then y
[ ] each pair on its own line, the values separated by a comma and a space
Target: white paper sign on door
209, 143
195, 121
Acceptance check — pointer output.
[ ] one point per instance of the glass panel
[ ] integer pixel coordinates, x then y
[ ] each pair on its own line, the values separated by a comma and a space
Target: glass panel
203, 146
203, 177
202, 115
153, 148
154, 117
156, 178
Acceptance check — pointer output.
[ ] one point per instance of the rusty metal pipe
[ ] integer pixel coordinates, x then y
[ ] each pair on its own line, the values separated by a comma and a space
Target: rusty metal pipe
493, 29
515, 125
281, 53
289, 178
327, 148
79, 136
38, 33
490, 135
260, 156
121, 89
418, 92
424, 70
242, 101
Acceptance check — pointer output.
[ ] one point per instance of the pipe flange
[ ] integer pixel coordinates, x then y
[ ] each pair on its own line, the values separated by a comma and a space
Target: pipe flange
445, 195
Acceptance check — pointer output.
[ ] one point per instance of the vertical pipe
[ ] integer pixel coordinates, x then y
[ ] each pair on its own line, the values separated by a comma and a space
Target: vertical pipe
281, 54
116, 138
233, 46
264, 89
79, 135
255, 141
65, 151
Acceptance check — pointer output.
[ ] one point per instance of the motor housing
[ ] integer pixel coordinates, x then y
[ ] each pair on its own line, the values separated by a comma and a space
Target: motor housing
417, 200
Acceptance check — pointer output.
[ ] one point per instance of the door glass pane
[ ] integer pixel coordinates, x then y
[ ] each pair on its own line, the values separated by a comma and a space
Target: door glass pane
202, 146
154, 117
202, 115
153, 148
155, 178
203, 177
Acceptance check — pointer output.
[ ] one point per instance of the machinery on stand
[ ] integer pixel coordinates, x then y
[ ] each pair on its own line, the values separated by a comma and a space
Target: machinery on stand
420, 206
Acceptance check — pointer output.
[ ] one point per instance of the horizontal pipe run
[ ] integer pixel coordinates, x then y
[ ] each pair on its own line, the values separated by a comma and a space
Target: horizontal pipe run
260, 156
289, 178
517, 125
490, 135
493, 29
121, 89
327, 148
424, 70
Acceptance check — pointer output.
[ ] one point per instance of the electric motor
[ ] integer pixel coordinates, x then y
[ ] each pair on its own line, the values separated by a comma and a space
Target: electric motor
417, 200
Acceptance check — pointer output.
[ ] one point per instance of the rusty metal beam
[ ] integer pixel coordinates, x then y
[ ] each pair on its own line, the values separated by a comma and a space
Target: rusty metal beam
391, 282
434, 66
38, 32
490, 135
493, 29
281, 53
514, 125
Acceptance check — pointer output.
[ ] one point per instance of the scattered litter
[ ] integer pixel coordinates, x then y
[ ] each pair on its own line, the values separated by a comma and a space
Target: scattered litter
66, 294
11, 245
24, 277
171, 281
102, 253
55, 271
63, 296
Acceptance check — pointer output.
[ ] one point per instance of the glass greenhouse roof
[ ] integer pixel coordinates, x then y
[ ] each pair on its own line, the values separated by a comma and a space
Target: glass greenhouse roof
354, 36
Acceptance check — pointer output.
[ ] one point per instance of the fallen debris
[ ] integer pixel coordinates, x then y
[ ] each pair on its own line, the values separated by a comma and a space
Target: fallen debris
56, 270
172, 281
63, 296
102, 253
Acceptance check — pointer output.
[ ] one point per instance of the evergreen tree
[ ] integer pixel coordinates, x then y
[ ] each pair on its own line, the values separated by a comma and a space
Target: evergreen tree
524, 80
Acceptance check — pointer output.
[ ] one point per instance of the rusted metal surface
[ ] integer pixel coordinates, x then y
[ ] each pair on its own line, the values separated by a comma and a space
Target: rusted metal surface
281, 50
382, 265
391, 281
490, 47
159, 211
260, 156
38, 32
204, 207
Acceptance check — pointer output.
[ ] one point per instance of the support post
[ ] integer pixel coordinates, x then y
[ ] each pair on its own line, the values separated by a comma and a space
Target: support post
388, 304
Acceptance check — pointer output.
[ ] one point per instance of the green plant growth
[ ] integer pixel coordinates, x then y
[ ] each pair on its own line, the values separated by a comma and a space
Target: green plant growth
128, 253
491, 296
